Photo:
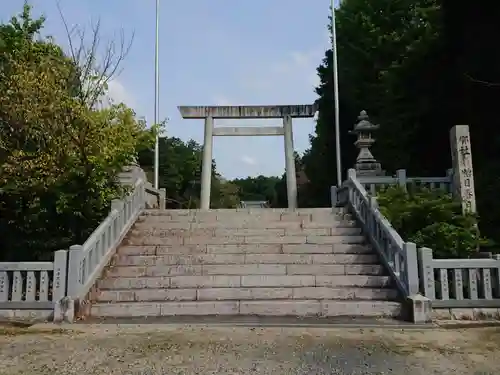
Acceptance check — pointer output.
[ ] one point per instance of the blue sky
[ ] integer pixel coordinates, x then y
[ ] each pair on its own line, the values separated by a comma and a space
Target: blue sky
212, 52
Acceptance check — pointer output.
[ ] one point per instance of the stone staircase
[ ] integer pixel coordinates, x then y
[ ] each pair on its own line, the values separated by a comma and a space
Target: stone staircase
265, 262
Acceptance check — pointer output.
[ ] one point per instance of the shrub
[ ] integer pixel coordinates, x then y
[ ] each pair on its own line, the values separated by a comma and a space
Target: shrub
431, 218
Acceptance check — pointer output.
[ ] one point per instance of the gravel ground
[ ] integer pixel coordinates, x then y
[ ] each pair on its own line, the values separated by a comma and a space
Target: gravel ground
166, 349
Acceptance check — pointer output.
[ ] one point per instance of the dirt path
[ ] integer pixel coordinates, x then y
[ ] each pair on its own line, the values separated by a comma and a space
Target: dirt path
149, 349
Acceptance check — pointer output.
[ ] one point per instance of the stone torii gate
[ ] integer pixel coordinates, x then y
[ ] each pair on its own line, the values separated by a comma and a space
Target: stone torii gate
210, 113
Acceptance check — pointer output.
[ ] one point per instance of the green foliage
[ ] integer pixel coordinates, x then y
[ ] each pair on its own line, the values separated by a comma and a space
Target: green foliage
417, 67
179, 170
430, 218
59, 157
381, 45
225, 194
258, 188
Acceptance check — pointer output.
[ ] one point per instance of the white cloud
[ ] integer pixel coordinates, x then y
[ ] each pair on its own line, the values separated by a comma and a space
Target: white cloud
119, 94
248, 160
296, 71
302, 59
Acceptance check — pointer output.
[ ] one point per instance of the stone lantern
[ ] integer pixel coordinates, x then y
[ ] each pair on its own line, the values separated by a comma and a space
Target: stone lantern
366, 164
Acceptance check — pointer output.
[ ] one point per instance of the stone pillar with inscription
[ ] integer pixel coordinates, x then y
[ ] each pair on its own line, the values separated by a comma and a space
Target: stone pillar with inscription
463, 172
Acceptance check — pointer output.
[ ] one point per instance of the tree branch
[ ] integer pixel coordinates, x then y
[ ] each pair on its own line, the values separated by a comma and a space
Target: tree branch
95, 73
486, 83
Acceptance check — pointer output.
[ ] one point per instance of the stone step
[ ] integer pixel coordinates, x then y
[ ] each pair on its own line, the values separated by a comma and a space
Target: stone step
310, 307
227, 240
244, 222
237, 281
252, 215
225, 232
146, 223
306, 249
219, 294
244, 211
250, 260
246, 269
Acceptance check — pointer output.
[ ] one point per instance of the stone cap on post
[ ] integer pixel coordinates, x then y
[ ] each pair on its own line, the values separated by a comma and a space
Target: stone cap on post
131, 174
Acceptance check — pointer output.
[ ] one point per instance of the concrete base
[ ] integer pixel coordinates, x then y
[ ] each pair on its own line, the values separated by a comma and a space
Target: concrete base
261, 321
470, 314
419, 309
27, 315
64, 311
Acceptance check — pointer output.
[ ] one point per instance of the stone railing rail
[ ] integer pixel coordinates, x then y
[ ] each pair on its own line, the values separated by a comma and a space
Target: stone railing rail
32, 286
460, 283
398, 257
44, 289
155, 198
254, 204
446, 283
87, 261
373, 183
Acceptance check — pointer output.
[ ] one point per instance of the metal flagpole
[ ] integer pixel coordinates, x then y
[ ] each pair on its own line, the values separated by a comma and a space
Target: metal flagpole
157, 98
336, 95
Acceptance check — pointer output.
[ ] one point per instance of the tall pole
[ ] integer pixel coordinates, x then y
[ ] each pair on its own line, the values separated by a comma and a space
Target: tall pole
336, 95
157, 98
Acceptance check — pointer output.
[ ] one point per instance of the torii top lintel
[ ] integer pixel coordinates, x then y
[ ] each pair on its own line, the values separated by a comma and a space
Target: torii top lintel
248, 111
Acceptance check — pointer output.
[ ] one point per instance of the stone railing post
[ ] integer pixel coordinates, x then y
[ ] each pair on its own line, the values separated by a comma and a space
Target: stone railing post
333, 196
426, 272
162, 199
373, 202
74, 270
449, 175
411, 277
420, 306
117, 205
401, 176
351, 173
59, 284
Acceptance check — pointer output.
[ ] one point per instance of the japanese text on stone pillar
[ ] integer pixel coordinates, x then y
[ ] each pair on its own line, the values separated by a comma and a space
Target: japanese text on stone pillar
462, 167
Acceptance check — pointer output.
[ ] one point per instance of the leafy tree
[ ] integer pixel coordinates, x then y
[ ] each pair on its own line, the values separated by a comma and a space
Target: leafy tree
225, 194
273, 189
418, 68
258, 188
377, 40
179, 170
59, 156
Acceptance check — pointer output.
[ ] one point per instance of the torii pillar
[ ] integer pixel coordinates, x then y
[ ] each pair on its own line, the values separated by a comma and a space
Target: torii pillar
285, 112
